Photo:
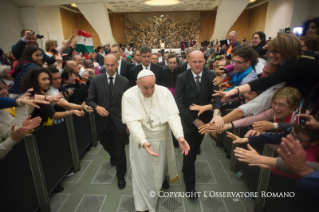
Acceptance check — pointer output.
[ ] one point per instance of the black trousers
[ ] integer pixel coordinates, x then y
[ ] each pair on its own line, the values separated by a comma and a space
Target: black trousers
114, 143
194, 140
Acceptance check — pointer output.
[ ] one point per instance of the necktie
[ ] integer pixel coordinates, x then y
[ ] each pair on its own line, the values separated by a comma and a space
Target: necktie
197, 82
111, 85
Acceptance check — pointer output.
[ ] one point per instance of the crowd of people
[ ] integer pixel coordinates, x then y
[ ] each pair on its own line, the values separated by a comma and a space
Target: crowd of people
157, 101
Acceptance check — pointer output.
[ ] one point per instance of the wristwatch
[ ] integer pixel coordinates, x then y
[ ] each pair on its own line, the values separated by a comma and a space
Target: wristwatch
217, 113
275, 125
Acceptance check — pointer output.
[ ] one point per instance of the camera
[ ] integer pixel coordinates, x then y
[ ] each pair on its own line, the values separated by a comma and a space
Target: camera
301, 120
40, 36
31, 93
54, 51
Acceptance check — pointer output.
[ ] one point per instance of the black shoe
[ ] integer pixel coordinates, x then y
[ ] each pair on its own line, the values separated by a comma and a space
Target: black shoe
113, 163
165, 184
58, 189
192, 194
121, 183
198, 152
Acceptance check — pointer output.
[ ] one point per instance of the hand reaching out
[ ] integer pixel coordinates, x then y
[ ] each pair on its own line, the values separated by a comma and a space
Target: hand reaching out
148, 148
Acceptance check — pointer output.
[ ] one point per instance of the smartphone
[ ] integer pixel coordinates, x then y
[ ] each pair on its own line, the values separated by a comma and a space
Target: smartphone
287, 29
31, 94
222, 42
302, 120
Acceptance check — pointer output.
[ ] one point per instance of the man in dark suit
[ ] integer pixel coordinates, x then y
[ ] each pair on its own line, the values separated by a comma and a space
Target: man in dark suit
136, 58
146, 64
100, 56
195, 87
160, 57
124, 67
105, 96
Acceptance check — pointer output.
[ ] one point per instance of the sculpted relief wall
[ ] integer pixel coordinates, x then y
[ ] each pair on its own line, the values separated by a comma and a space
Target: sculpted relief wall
152, 29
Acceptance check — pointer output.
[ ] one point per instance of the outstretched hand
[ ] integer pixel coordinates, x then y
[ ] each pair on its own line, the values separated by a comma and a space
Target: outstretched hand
30, 124
184, 145
148, 148
236, 139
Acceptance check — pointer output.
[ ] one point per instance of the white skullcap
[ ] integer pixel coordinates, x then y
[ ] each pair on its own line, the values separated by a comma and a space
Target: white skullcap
145, 73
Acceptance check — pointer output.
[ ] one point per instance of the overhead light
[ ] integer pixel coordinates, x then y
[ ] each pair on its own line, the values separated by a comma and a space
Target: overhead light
162, 2
74, 5
251, 1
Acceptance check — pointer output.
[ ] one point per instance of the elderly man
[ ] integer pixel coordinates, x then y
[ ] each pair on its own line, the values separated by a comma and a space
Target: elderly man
150, 112
232, 38
195, 87
105, 96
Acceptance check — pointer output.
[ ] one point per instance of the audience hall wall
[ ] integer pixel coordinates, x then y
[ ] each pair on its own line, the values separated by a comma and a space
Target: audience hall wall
72, 20
250, 21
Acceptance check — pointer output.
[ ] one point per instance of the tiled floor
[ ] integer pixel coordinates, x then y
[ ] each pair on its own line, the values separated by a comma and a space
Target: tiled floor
94, 188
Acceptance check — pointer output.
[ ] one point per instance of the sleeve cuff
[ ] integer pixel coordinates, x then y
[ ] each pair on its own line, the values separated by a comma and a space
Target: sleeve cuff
142, 142
8, 144
23, 39
179, 135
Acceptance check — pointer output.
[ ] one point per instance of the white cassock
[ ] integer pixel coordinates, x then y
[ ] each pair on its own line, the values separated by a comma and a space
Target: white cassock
148, 172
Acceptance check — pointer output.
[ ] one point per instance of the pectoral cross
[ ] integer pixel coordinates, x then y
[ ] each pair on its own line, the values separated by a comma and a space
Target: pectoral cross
150, 121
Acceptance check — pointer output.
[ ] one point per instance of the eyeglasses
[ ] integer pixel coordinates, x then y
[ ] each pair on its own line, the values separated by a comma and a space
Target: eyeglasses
274, 52
255, 38
297, 138
280, 105
238, 62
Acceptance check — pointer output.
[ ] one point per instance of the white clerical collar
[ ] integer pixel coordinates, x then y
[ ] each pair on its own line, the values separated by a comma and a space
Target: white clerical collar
195, 75
148, 67
114, 76
188, 67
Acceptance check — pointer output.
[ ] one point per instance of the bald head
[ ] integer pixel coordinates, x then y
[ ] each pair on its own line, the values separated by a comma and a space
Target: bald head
110, 64
196, 61
74, 66
147, 85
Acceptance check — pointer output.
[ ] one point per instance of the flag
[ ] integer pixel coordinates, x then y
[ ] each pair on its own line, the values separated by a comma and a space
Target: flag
84, 42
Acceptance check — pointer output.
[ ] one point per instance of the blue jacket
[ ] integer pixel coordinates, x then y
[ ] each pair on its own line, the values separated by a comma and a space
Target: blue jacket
16, 88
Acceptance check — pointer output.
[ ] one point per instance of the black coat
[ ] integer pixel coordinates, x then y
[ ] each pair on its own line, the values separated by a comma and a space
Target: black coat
186, 94
125, 69
157, 69
99, 95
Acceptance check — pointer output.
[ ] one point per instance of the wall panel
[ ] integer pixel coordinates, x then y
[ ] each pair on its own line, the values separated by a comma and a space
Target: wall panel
71, 20
117, 21
207, 24
250, 21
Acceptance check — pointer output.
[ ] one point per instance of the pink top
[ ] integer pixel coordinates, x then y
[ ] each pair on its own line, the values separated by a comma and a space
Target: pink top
266, 115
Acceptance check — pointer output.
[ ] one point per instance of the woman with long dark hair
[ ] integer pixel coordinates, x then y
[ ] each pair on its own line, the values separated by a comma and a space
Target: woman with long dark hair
259, 41
31, 58
39, 79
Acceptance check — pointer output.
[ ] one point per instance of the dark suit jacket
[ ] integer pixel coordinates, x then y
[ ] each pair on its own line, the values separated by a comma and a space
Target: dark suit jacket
182, 68
17, 51
162, 63
187, 94
100, 59
158, 71
126, 69
99, 95
167, 78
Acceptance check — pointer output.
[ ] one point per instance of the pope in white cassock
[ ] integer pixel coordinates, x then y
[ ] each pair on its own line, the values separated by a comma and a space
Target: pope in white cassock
150, 113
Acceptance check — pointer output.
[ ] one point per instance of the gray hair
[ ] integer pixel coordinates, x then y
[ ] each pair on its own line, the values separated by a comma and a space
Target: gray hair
210, 63
189, 50
234, 33
3, 69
